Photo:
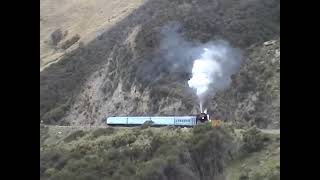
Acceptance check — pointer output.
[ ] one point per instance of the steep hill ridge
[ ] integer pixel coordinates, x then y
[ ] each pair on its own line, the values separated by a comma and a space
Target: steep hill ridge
107, 75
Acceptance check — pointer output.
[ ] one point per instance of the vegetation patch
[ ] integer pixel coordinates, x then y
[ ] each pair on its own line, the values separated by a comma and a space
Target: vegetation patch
74, 136
70, 42
102, 132
253, 140
43, 133
152, 153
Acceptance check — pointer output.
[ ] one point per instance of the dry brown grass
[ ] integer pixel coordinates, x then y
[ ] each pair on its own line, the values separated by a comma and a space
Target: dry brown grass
83, 17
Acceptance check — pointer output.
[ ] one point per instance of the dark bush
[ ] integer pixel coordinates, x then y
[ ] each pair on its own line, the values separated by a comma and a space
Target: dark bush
244, 177
146, 124
55, 115
61, 162
63, 175
74, 136
253, 140
53, 160
202, 128
154, 169
123, 140
56, 37
75, 155
209, 150
102, 131
70, 42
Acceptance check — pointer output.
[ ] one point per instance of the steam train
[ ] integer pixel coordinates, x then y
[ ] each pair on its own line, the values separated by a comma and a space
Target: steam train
185, 121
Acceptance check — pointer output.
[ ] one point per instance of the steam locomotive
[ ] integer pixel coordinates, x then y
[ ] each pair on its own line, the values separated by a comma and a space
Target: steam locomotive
185, 121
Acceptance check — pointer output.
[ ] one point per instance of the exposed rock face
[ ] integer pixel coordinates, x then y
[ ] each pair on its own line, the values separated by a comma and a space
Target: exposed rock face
123, 71
254, 95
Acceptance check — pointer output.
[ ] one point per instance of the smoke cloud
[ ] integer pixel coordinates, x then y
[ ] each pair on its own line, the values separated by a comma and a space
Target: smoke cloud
213, 69
203, 70
209, 65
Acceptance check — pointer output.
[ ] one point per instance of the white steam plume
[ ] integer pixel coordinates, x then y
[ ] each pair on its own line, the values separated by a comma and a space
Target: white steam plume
213, 68
211, 63
203, 71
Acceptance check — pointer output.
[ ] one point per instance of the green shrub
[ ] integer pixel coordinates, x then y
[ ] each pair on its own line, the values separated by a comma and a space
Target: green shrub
102, 131
124, 139
153, 169
63, 175
209, 150
202, 128
88, 176
50, 172
52, 159
127, 169
75, 155
112, 154
253, 140
74, 136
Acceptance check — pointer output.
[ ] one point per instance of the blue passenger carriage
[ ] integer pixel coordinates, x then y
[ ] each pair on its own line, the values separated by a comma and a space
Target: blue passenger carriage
186, 121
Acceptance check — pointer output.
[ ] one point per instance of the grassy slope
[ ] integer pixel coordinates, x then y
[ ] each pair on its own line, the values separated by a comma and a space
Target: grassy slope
86, 18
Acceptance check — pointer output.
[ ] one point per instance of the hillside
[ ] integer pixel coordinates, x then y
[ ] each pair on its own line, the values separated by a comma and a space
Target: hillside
159, 153
125, 71
62, 20
104, 58
254, 95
